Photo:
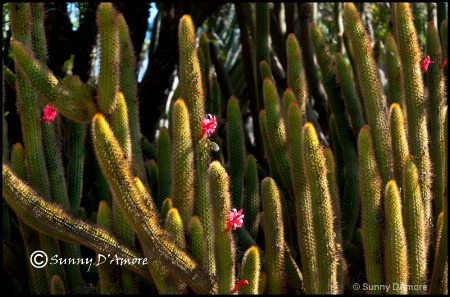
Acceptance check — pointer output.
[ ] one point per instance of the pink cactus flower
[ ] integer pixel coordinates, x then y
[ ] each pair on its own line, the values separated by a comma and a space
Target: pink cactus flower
49, 114
209, 125
425, 63
234, 219
239, 284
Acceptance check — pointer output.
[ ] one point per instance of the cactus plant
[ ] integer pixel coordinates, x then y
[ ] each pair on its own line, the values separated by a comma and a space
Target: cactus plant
218, 201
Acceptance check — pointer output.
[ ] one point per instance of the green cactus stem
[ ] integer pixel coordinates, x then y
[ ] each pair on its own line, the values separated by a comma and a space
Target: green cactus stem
108, 78
251, 203
206, 71
276, 130
251, 266
351, 100
274, 237
75, 166
396, 92
370, 86
182, 179
197, 240
350, 195
400, 148
164, 153
192, 92
48, 86
39, 283
395, 242
371, 209
174, 227
261, 38
236, 152
108, 281
408, 47
296, 79
436, 84
223, 241
128, 86
119, 123
439, 277
293, 273
415, 227
323, 215
303, 203
273, 168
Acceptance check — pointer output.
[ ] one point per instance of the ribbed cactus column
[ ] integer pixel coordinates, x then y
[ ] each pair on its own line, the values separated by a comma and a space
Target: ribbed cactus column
223, 241
374, 99
277, 132
192, 92
295, 72
274, 237
108, 78
182, 186
350, 197
395, 244
164, 172
128, 86
251, 202
437, 99
323, 215
400, 148
352, 104
408, 47
236, 152
394, 73
39, 283
251, 266
261, 53
108, 282
303, 203
371, 209
439, 284
415, 227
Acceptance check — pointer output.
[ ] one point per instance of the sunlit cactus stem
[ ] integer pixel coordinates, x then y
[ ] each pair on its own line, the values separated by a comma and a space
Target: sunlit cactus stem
323, 214
371, 209
395, 244
223, 240
418, 140
274, 237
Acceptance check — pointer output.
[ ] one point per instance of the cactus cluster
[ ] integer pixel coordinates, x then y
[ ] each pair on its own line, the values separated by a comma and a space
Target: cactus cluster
364, 206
